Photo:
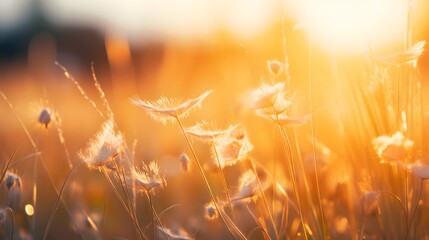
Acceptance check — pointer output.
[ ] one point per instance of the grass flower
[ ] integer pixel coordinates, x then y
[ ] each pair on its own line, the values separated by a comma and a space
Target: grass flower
210, 211
204, 132
185, 162
44, 117
269, 101
43, 112
410, 56
165, 109
233, 147
12, 180
392, 148
269, 98
248, 188
147, 179
106, 145
420, 170
14, 191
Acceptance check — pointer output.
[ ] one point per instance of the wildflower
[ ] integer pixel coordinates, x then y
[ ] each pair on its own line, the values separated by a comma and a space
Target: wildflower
232, 148
165, 109
44, 117
248, 187
43, 112
275, 67
185, 162
178, 234
269, 99
106, 145
211, 211
12, 180
392, 148
205, 132
410, 55
14, 195
419, 169
148, 178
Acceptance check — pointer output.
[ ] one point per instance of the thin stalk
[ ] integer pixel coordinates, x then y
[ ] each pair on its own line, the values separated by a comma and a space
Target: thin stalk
155, 215
406, 189
293, 176
51, 217
301, 168
121, 176
35, 207
313, 142
415, 209
398, 200
263, 193
265, 199
151, 213
224, 183
274, 171
109, 180
206, 182
126, 191
7, 165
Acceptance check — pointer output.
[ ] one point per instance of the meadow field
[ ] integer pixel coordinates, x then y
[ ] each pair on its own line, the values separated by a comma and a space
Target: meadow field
316, 127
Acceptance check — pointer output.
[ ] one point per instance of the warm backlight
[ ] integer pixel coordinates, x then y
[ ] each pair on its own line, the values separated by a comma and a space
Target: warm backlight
353, 25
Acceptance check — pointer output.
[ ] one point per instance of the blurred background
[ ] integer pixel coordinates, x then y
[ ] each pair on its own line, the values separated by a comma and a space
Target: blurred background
180, 49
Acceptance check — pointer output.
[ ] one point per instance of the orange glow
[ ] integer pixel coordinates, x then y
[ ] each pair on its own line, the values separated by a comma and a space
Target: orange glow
353, 25
228, 124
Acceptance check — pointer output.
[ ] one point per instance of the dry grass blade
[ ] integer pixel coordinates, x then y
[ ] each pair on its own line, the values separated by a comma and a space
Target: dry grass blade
82, 92
6, 167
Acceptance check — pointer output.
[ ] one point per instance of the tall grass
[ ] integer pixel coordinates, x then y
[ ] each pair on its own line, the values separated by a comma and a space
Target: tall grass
363, 177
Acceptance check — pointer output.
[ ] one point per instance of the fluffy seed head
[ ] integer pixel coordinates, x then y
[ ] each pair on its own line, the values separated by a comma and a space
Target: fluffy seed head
185, 162
392, 148
248, 188
44, 117
43, 112
210, 211
165, 109
268, 97
420, 170
206, 132
12, 180
409, 56
232, 147
147, 179
106, 145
